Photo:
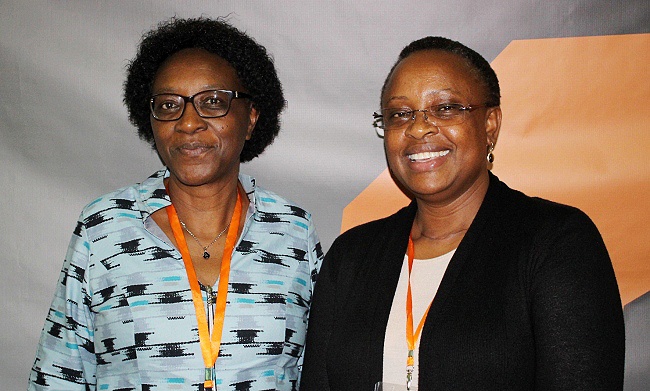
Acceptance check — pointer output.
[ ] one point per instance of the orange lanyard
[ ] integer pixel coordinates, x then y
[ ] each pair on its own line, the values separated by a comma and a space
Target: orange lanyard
411, 338
209, 347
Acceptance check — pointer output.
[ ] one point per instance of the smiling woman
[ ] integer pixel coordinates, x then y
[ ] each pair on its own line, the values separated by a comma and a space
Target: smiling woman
188, 278
199, 148
473, 286
441, 159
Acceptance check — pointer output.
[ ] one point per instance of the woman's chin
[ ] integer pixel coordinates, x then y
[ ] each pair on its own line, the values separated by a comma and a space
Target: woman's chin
196, 177
425, 186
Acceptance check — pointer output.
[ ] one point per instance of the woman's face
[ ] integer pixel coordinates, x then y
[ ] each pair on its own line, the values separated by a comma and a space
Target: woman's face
201, 150
439, 163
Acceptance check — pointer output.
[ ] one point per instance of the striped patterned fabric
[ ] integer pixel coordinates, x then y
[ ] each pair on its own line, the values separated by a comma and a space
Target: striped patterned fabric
122, 317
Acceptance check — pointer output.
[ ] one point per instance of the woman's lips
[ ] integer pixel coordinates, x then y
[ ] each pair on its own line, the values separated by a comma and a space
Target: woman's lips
423, 156
194, 149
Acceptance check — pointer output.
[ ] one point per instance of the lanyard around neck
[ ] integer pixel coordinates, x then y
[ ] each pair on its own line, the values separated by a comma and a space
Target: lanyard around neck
411, 337
209, 346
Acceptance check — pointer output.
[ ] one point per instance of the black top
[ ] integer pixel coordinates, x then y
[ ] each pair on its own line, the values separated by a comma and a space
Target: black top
529, 302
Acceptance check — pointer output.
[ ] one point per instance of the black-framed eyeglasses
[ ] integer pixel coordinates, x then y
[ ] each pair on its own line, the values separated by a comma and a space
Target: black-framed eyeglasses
208, 104
444, 114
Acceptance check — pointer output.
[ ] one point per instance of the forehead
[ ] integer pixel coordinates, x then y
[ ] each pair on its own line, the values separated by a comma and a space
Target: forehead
195, 66
430, 71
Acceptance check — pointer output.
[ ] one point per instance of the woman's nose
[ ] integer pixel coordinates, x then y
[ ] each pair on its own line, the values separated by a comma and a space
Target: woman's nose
421, 125
190, 121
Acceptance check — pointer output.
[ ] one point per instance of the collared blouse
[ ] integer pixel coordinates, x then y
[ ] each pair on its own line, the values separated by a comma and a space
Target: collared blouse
123, 318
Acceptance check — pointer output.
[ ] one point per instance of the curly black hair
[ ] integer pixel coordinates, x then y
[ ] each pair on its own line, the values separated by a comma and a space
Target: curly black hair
250, 60
477, 63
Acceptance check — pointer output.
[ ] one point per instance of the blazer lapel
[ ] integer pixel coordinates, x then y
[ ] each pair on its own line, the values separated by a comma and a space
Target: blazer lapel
465, 251
387, 254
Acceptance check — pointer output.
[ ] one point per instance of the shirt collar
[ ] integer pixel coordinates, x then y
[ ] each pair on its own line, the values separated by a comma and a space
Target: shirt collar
153, 194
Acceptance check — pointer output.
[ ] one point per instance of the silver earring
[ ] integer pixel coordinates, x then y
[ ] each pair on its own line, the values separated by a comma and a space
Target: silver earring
490, 155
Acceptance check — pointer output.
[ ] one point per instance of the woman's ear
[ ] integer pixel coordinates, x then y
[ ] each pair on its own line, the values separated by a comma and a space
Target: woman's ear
493, 124
253, 116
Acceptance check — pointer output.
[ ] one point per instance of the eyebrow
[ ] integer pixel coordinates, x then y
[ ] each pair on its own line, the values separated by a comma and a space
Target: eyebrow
433, 93
172, 90
396, 98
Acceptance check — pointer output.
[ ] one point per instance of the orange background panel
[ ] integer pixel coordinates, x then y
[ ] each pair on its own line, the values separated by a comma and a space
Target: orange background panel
576, 130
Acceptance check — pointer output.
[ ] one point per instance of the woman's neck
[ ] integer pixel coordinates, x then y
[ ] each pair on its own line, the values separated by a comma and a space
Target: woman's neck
439, 227
205, 209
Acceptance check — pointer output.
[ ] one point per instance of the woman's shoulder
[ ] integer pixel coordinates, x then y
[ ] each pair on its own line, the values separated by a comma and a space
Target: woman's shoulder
130, 198
524, 212
271, 204
377, 230
523, 204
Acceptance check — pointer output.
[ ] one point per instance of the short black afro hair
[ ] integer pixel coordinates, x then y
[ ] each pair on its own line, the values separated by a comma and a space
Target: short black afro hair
250, 60
477, 63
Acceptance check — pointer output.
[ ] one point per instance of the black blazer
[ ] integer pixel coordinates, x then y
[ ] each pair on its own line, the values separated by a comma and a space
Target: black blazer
529, 302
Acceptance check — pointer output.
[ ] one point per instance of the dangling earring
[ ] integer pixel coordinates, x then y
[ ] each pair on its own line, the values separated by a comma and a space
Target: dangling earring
490, 155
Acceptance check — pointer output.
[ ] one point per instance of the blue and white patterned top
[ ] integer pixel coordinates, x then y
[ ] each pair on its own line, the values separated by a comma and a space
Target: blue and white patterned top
123, 318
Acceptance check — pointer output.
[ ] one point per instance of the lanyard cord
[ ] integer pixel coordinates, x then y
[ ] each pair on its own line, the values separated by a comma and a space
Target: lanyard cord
411, 337
209, 346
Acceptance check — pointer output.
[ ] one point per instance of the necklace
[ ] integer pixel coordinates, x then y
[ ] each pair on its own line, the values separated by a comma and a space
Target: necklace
206, 254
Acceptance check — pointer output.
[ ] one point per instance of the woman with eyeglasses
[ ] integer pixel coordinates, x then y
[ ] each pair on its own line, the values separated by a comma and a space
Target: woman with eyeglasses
196, 278
473, 286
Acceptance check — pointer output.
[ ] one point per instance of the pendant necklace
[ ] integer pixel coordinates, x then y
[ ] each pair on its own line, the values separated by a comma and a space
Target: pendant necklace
206, 254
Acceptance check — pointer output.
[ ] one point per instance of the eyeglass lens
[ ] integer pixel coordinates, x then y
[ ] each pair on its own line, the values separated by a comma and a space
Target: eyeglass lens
208, 104
438, 115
